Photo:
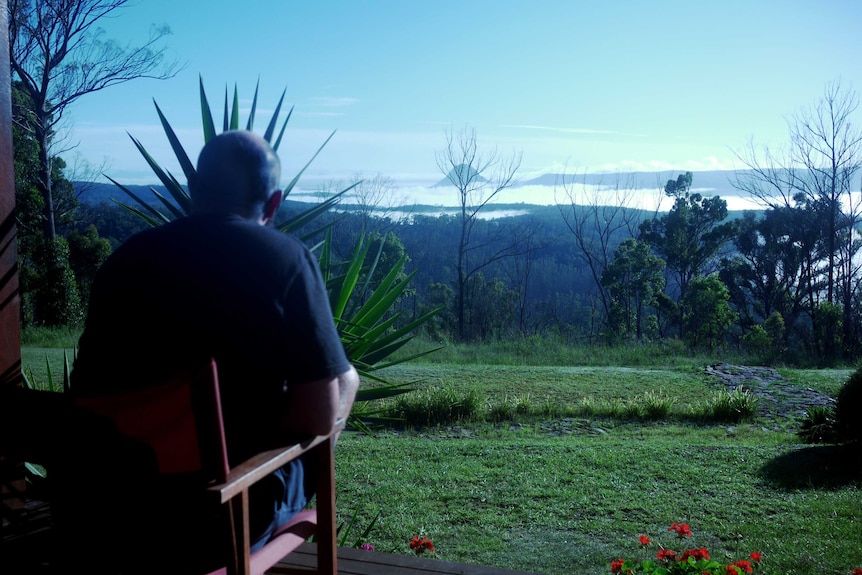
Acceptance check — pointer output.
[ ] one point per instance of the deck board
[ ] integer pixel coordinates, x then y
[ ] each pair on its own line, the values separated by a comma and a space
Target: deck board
23, 549
360, 562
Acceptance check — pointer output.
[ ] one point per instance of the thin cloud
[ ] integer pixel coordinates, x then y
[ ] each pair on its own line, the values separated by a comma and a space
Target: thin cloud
710, 163
319, 114
558, 129
333, 102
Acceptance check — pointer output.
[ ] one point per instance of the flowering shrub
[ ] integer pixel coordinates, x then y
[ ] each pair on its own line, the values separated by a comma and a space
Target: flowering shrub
420, 545
695, 561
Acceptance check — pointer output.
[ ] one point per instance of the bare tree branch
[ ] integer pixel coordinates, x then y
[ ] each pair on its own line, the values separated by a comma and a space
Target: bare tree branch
478, 177
58, 55
599, 221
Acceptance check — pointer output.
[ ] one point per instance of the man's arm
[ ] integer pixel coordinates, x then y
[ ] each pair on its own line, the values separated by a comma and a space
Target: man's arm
316, 405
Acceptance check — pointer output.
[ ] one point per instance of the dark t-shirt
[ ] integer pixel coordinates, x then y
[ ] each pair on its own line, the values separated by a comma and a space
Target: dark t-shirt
212, 286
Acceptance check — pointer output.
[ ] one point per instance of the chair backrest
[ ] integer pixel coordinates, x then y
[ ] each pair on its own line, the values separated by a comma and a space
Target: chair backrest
177, 424
179, 419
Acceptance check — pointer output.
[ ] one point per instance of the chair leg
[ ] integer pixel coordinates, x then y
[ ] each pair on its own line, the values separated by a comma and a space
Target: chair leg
327, 548
240, 536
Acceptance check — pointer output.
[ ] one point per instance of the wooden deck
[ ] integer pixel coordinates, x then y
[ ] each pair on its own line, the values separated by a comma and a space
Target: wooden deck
21, 551
359, 562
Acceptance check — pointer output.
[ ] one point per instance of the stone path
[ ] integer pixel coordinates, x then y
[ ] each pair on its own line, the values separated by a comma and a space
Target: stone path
778, 397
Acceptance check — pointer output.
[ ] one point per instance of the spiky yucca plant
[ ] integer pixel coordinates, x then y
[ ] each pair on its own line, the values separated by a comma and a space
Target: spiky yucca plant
362, 313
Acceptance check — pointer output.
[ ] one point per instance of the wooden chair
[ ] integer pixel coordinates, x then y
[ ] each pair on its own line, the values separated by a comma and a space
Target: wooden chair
180, 421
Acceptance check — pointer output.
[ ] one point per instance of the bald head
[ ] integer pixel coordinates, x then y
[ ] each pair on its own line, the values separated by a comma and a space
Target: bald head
237, 173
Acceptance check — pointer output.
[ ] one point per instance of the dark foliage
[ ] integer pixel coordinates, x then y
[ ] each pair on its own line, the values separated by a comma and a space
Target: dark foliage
849, 407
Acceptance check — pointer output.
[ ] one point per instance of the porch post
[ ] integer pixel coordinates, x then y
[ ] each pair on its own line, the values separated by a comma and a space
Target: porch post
10, 329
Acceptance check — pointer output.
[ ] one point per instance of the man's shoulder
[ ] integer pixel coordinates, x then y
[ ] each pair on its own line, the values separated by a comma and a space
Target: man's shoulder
189, 227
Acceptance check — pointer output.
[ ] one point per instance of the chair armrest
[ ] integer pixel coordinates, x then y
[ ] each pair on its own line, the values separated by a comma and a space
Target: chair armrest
259, 466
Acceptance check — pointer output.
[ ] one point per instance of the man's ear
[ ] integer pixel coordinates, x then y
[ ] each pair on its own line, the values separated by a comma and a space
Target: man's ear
272, 205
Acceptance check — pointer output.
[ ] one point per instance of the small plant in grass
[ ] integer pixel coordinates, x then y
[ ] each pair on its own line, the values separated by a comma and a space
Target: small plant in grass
612, 408
656, 405
631, 409
550, 408
501, 411
523, 404
589, 406
440, 406
361, 542
694, 561
509, 408
731, 406
819, 425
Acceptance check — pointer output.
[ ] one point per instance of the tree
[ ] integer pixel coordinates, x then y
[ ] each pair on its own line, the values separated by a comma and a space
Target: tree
492, 307
520, 267
819, 173
87, 253
633, 279
478, 178
376, 198
708, 315
49, 294
690, 237
58, 55
28, 197
599, 221
772, 269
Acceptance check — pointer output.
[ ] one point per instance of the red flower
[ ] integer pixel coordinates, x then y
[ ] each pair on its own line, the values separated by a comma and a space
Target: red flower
421, 545
644, 540
665, 554
682, 529
857, 572
757, 556
616, 566
698, 554
732, 570
744, 565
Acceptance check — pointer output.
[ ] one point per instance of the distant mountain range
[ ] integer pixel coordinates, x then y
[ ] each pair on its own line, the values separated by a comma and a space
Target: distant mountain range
719, 180
708, 183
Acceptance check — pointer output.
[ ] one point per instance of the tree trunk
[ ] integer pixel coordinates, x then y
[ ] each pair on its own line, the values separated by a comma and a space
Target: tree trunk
49, 228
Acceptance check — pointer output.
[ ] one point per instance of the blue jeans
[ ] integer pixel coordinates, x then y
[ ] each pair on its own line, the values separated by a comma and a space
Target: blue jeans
276, 499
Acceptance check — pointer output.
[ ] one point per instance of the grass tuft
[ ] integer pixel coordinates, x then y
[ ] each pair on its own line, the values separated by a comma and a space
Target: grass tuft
728, 406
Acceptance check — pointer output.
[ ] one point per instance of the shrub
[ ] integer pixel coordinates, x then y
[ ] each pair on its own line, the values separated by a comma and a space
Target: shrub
757, 341
847, 408
819, 425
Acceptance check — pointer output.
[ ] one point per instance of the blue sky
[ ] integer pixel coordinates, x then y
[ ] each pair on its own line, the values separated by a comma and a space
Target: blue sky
599, 85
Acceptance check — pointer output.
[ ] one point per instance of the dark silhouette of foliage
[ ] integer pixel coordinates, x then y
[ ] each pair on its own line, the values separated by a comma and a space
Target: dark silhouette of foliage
848, 407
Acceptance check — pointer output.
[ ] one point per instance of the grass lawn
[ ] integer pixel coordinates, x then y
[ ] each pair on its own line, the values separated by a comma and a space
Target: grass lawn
568, 495
571, 503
